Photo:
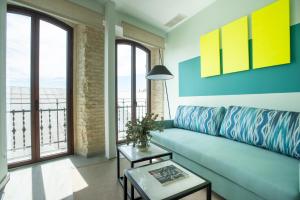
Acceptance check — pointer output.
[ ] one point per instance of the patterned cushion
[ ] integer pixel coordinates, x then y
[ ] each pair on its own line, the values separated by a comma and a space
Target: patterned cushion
278, 131
200, 119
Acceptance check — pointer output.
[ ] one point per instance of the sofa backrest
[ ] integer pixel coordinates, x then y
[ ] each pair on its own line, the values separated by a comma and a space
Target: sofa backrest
278, 131
200, 119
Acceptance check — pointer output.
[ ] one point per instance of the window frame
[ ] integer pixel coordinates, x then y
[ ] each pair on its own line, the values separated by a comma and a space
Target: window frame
36, 16
133, 45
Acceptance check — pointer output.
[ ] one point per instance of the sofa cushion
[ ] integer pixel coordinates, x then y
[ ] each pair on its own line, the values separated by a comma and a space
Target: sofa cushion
200, 119
278, 131
267, 174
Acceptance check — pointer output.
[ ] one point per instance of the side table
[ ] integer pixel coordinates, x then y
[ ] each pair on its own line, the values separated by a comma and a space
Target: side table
133, 155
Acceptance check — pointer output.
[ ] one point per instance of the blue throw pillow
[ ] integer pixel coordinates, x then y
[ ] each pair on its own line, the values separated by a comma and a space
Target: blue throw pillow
278, 131
200, 119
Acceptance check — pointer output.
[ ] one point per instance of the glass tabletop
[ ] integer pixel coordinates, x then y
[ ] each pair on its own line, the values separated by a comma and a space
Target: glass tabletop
133, 154
154, 189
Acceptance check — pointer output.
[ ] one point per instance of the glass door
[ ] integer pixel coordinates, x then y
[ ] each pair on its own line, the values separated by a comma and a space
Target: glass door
53, 89
142, 84
18, 91
39, 87
133, 89
124, 96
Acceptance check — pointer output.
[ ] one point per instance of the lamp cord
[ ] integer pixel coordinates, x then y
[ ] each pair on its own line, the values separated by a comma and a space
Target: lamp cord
168, 100
161, 62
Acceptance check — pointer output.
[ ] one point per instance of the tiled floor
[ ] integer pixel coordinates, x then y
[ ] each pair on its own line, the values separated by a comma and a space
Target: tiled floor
70, 178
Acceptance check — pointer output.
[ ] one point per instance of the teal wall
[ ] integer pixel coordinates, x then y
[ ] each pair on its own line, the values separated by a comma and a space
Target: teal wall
182, 44
278, 79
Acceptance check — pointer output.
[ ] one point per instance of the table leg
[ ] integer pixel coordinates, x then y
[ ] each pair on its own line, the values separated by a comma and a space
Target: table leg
118, 164
132, 188
208, 192
125, 187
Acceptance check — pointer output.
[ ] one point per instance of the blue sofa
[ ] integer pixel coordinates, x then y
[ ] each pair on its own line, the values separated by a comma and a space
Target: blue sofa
247, 153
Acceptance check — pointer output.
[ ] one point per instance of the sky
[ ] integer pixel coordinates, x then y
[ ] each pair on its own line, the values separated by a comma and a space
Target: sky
53, 41
52, 53
124, 71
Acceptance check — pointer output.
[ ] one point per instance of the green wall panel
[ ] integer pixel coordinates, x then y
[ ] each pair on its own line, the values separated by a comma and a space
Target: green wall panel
278, 79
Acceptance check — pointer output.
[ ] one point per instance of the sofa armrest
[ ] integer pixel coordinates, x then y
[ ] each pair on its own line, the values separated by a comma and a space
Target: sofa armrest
168, 124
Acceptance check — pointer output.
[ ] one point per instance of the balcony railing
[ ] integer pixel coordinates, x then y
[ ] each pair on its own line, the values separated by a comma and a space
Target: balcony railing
124, 114
53, 126
53, 129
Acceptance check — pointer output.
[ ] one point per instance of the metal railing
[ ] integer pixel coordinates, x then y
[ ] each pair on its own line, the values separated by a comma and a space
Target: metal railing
53, 125
124, 113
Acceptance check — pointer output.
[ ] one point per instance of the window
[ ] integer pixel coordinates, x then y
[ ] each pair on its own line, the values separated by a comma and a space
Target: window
133, 89
39, 87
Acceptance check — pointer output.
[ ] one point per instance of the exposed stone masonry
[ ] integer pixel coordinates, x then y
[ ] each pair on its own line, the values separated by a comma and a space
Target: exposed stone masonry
157, 88
89, 132
89, 91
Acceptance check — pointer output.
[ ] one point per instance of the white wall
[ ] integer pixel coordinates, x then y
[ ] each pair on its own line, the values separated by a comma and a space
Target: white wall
183, 44
109, 83
3, 163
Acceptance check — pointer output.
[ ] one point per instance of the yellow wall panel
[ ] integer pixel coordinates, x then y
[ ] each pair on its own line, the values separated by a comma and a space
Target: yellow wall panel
271, 35
210, 54
235, 49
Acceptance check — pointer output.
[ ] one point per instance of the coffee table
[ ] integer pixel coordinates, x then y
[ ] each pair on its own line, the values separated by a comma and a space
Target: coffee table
150, 188
133, 155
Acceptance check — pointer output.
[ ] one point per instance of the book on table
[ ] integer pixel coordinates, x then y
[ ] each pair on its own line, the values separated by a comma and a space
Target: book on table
168, 174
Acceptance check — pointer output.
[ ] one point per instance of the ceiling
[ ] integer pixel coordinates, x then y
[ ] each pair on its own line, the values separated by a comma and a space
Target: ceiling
160, 12
154, 12
95, 5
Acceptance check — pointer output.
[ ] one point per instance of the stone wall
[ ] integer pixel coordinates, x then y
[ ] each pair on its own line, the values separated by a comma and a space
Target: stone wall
89, 91
89, 130
157, 87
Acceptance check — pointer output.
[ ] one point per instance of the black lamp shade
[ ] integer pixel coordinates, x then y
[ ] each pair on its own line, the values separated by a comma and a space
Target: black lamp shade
159, 72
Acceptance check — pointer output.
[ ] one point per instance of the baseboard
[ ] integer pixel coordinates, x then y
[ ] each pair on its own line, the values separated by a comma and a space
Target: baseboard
4, 182
91, 154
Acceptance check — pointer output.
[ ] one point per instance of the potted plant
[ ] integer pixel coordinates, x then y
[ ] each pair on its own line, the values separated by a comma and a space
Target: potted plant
138, 133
